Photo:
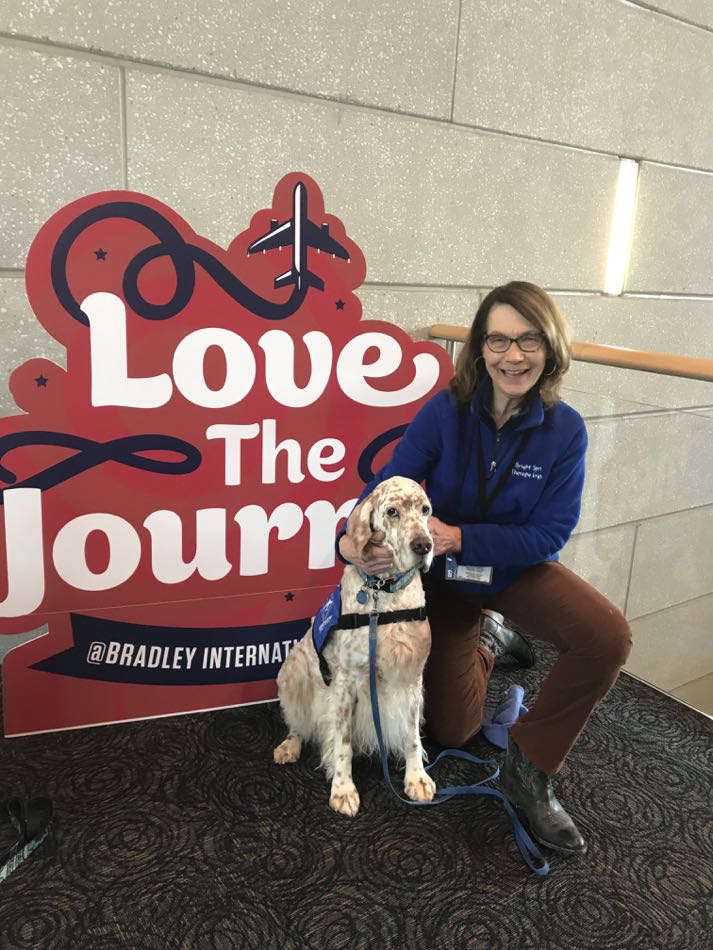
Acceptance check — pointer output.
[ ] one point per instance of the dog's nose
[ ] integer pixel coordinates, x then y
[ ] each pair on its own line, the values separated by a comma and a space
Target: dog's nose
421, 545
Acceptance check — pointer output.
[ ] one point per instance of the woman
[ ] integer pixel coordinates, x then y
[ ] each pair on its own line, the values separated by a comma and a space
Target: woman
503, 461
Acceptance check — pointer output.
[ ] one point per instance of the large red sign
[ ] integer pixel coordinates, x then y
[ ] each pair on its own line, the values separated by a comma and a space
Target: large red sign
170, 500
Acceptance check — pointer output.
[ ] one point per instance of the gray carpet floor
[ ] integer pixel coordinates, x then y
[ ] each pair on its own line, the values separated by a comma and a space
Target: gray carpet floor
181, 833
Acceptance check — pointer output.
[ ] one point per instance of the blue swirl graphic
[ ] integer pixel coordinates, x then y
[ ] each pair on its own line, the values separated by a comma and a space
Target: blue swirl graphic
183, 256
90, 454
365, 465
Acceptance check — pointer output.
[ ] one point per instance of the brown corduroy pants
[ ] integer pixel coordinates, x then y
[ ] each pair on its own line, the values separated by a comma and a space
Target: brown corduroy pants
548, 602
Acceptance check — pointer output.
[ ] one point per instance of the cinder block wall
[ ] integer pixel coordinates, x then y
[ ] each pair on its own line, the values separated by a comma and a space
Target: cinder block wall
464, 143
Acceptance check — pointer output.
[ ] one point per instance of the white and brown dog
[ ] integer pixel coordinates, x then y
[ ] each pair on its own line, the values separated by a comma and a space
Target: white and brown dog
338, 715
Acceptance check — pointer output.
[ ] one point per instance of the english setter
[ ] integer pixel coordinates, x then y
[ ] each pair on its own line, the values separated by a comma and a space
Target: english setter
338, 716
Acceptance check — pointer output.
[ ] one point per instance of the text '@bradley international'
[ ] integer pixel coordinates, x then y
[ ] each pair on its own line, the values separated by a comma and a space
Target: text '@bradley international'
230, 656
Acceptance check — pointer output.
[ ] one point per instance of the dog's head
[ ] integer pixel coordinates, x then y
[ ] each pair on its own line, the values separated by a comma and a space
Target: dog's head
400, 508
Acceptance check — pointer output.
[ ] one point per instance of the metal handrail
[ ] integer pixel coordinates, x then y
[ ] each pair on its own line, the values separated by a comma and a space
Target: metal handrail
647, 361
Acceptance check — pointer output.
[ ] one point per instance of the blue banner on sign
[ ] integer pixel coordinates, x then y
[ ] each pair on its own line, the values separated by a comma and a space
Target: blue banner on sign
169, 656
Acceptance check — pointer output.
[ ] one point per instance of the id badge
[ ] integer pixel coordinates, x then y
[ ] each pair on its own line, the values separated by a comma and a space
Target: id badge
472, 573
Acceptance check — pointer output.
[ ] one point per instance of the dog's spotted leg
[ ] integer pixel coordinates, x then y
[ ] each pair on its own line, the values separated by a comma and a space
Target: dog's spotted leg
289, 750
418, 784
343, 797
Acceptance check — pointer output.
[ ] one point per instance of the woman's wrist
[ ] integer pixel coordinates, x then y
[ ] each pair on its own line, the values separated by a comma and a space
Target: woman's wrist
457, 540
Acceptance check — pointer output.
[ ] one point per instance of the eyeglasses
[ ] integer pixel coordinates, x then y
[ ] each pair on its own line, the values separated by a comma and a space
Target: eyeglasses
528, 342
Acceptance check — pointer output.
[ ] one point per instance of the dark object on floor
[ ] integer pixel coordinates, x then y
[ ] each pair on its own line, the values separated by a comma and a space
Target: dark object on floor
31, 821
181, 833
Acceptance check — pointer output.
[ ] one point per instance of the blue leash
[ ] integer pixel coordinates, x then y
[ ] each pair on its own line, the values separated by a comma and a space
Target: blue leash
529, 851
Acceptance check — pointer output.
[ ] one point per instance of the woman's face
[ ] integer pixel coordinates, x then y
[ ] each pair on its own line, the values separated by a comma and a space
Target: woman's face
513, 372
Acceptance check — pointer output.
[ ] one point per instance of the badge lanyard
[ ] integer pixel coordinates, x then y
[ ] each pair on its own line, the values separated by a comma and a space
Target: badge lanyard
451, 514
486, 500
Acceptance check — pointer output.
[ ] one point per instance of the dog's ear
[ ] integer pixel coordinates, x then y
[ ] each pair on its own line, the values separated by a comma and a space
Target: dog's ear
359, 527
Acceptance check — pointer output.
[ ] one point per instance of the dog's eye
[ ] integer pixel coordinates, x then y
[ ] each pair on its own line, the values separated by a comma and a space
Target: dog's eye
426, 510
392, 512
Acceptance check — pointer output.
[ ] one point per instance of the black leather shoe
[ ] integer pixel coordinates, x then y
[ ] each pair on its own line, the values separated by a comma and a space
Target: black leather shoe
504, 641
530, 791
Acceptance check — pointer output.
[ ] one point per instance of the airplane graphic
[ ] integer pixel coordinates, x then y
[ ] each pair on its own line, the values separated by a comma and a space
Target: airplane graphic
301, 233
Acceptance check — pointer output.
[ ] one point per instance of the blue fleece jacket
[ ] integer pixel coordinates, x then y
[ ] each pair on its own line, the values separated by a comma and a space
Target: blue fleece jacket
530, 519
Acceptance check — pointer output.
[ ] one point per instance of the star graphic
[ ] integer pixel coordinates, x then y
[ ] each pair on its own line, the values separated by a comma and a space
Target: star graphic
289, 596
100, 254
339, 305
41, 380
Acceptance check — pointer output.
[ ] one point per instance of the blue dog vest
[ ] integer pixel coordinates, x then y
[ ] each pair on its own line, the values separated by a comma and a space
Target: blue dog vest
329, 617
326, 620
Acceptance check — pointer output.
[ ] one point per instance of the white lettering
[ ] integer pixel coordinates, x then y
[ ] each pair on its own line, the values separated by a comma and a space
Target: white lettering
111, 385
352, 371
270, 449
69, 551
188, 367
233, 436
26, 569
128, 654
255, 528
24, 551
318, 456
323, 522
210, 560
279, 349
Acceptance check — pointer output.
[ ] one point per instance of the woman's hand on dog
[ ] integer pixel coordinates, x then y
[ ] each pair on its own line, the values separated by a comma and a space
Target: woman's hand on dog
374, 559
447, 538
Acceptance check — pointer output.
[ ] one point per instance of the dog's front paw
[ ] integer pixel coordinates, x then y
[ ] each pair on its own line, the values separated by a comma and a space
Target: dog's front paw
344, 798
288, 751
419, 786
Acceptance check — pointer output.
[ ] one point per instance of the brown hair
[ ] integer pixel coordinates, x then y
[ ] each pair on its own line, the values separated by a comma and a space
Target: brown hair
539, 309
